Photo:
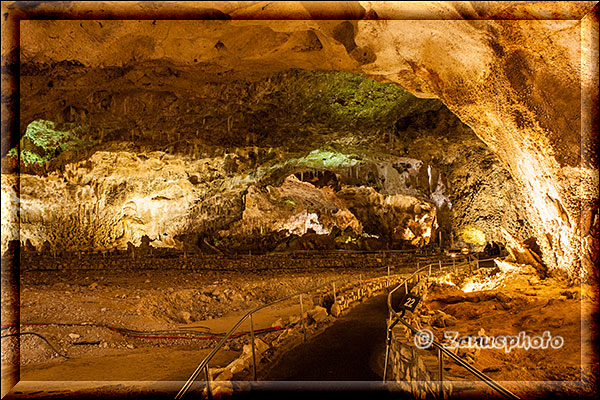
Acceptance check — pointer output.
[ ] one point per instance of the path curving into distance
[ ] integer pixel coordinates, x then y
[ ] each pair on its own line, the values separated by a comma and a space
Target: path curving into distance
345, 351
347, 356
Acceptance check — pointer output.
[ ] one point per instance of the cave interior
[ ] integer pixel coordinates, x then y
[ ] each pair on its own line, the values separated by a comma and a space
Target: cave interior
176, 173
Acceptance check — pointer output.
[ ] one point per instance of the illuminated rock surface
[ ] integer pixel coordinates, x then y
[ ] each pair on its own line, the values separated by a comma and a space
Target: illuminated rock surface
166, 85
280, 127
396, 172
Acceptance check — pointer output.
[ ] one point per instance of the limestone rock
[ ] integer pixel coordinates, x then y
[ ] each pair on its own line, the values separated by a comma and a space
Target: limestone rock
521, 86
336, 310
318, 314
224, 375
441, 319
221, 389
238, 365
259, 347
184, 317
281, 322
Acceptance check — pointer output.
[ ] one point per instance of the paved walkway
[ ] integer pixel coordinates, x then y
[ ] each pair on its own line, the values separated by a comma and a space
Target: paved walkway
352, 349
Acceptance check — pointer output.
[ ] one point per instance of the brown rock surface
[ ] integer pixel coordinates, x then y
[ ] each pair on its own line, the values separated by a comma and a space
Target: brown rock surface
514, 77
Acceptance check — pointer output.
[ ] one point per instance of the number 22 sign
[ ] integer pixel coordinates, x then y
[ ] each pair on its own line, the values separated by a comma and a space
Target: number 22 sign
410, 302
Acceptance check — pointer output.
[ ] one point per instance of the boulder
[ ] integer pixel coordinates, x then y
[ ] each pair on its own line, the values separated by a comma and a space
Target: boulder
318, 314
184, 317
336, 310
225, 375
238, 365
259, 347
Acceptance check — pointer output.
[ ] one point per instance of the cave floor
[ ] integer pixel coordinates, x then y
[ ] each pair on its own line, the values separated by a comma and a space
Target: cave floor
522, 306
75, 311
211, 302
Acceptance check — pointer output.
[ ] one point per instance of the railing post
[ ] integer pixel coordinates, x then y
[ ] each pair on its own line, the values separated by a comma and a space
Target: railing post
387, 350
208, 390
388, 276
360, 285
440, 264
302, 318
480, 375
204, 364
253, 348
334, 295
441, 373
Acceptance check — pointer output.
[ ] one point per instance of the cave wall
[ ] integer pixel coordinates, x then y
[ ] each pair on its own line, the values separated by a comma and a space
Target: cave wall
524, 103
132, 165
506, 69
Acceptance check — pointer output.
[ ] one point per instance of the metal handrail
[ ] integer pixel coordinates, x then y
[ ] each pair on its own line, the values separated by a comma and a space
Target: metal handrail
393, 312
417, 271
428, 267
215, 349
441, 349
204, 363
483, 377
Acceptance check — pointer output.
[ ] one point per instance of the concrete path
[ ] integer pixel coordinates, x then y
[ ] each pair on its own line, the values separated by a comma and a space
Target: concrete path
351, 349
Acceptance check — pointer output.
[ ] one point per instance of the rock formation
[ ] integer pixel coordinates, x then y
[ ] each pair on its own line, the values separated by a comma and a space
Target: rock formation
217, 97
